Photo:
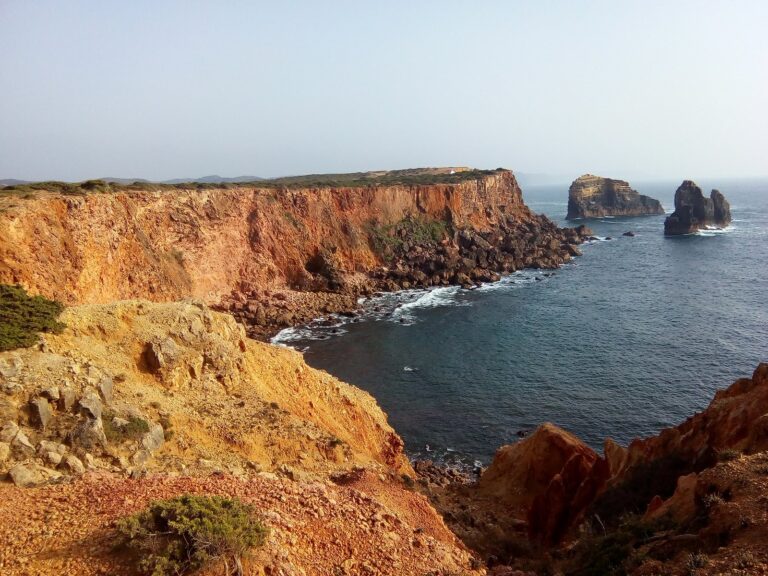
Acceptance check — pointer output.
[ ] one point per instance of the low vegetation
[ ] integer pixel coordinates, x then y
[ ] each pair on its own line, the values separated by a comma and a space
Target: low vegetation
23, 317
411, 177
390, 239
133, 428
187, 533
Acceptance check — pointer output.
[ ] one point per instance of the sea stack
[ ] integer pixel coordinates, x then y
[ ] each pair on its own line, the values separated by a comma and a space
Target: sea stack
594, 196
693, 211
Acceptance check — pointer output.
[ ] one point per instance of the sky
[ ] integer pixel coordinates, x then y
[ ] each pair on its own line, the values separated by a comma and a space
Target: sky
175, 89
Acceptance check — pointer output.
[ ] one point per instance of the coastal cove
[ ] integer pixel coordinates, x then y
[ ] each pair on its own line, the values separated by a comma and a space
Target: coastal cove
625, 340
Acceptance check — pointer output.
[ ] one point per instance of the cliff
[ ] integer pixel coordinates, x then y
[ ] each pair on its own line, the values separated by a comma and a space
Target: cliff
695, 212
274, 256
594, 197
552, 490
140, 386
137, 401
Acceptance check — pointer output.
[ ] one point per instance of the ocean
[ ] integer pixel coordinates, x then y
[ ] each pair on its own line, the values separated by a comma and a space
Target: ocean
633, 336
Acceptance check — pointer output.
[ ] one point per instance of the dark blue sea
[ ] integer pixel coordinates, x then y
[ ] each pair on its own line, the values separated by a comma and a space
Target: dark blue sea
633, 336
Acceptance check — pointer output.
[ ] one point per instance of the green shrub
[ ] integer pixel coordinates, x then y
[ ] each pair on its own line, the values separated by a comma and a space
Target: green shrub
134, 430
23, 317
186, 533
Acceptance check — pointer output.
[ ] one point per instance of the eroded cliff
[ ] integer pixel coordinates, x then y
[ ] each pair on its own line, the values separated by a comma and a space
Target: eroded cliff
273, 256
136, 401
657, 494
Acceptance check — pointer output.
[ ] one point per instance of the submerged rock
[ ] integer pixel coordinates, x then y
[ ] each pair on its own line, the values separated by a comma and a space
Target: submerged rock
594, 196
695, 212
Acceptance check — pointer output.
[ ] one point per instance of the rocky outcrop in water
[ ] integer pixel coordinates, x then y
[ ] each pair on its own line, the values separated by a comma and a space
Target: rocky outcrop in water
693, 211
594, 196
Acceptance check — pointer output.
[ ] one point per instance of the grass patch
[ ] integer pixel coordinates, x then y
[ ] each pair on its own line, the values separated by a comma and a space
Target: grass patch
23, 317
187, 533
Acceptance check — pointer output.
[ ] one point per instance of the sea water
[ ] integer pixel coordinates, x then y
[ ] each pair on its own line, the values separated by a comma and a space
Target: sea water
633, 336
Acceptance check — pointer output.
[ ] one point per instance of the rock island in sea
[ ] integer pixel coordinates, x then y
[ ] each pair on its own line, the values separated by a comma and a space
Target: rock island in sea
693, 211
594, 197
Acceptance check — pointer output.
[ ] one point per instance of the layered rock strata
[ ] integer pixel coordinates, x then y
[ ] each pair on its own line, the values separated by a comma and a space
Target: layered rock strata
274, 257
693, 211
594, 197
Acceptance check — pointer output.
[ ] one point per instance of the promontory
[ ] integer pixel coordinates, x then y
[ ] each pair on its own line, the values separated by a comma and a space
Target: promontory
594, 197
695, 212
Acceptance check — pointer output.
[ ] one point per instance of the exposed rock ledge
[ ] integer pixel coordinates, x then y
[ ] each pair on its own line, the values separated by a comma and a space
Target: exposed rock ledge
694, 212
594, 197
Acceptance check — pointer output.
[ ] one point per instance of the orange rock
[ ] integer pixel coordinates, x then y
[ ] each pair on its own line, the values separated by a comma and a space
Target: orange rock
169, 244
681, 505
520, 472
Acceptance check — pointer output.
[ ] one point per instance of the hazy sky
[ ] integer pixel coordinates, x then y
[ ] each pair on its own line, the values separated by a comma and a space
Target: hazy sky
163, 89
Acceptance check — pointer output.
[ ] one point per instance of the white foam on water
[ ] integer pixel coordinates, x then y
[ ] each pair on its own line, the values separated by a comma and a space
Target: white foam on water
434, 298
401, 307
712, 231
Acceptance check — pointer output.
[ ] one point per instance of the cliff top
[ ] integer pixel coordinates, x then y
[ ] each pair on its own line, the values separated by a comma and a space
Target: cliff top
405, 177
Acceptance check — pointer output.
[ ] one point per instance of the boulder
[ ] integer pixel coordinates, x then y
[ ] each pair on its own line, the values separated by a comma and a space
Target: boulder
90, 404
160, 354
66, 399
153, 439
74, 465
594, 196
51, 393
88, 434
5, 451
8, 431
41, 412
106, 386
46, 446
52, 458
26, 474
694, 212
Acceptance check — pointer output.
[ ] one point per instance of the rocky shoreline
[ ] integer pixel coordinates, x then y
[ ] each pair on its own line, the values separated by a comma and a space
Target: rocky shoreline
464, 257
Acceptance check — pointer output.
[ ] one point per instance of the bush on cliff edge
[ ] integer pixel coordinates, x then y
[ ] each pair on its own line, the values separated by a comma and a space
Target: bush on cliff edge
186, 533
23, 317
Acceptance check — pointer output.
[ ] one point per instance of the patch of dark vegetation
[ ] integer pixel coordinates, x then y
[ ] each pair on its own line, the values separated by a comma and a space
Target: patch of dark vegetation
23, 317
187, 533
132, 429
66, 188
727, 455
614, 553
643, 482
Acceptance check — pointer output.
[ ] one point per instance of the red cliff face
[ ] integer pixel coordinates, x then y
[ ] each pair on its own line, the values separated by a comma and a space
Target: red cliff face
171, 244
554, 481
